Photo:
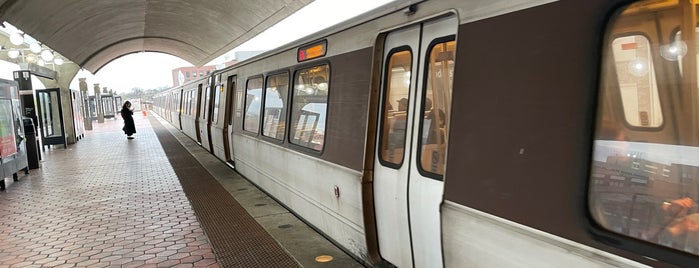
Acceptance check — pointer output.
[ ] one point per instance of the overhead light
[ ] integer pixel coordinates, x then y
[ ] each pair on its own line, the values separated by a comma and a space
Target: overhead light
16, 38
47, 55
31, 58
35, 47
13, 53
40, 62
58, 61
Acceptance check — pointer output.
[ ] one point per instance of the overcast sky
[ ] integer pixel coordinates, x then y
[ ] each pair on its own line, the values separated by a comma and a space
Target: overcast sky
151, 70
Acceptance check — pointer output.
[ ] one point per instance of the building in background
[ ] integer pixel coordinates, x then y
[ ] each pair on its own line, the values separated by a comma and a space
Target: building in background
182, 75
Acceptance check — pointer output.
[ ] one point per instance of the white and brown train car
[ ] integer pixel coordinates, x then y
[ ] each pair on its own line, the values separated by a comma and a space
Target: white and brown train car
475, 133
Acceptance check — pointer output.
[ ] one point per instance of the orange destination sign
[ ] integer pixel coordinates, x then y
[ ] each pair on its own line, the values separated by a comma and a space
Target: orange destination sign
312, 51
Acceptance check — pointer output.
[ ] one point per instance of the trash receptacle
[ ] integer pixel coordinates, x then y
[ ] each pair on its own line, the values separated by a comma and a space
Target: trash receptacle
32, 143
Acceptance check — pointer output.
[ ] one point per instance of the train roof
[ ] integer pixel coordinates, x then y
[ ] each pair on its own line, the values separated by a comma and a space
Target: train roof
368, 16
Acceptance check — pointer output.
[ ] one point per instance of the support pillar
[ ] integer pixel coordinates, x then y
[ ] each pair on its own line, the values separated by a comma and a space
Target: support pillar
86, 104
98, 104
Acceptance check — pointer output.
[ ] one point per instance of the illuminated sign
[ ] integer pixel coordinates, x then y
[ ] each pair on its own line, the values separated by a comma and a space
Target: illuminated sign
312, 51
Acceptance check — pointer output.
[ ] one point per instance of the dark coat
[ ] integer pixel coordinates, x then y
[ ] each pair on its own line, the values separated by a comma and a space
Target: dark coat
129, 126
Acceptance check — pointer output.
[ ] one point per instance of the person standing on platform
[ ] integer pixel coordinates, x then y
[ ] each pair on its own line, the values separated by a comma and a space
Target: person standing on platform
127, 114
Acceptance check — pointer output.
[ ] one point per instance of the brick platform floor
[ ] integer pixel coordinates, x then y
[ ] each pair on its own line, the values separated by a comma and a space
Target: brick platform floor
104, 202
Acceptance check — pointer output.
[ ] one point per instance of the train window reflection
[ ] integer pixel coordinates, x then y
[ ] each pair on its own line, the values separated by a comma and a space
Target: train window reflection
275, 111
395, 107
435, 114
645, 169
309, 108
636, 80
253, 100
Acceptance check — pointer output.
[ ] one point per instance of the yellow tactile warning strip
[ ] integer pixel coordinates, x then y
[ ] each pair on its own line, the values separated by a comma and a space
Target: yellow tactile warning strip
237, 239
104, 202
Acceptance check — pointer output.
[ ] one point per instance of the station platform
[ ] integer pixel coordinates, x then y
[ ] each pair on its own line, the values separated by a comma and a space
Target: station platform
159, 200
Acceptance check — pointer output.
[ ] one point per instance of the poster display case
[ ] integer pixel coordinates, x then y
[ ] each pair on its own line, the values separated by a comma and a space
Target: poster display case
13, 155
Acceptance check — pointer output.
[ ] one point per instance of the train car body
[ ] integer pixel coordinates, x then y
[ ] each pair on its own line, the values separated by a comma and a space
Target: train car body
191, 93
475, 133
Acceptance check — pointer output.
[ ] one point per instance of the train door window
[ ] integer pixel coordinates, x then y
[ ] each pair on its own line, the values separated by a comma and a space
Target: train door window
644, 175
192, 102
218, 88
636, 80
274, 117
205, 103
188, 106
231, 88
253, 99
436, 106
395, 108
185, 102
310, 106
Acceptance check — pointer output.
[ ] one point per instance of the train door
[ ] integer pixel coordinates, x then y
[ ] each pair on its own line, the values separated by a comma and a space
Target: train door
178, 96
197, 102
205, 119
228, 119
409, 163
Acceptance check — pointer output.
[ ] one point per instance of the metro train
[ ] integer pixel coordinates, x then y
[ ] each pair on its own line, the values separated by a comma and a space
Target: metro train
500, 133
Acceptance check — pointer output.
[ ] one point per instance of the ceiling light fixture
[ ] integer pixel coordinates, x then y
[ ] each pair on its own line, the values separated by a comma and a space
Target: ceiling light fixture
16, 38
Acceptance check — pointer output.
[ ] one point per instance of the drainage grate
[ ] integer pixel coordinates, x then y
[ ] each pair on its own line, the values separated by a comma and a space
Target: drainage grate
236, 238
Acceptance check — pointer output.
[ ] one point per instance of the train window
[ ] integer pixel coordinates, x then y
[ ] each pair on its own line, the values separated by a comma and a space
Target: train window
436, 107
188, 107
396, 107
192, 102
644, 175
205, 103
192, 105
231, 88
185, 103
636, 81
218, 88
274, 117
309, 108
253, 99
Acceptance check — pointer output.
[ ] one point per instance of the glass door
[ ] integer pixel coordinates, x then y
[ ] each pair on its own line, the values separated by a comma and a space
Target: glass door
50, 115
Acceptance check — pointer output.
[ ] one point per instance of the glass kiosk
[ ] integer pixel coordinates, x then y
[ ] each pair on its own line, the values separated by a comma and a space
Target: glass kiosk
108, 106
50, 116
92, 107
118, 103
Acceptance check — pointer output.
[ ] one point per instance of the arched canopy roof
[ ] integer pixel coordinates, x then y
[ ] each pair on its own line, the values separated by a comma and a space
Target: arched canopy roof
92, 33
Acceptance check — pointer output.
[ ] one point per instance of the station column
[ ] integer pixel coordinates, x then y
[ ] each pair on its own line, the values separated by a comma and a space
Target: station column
98, 104
86, 104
